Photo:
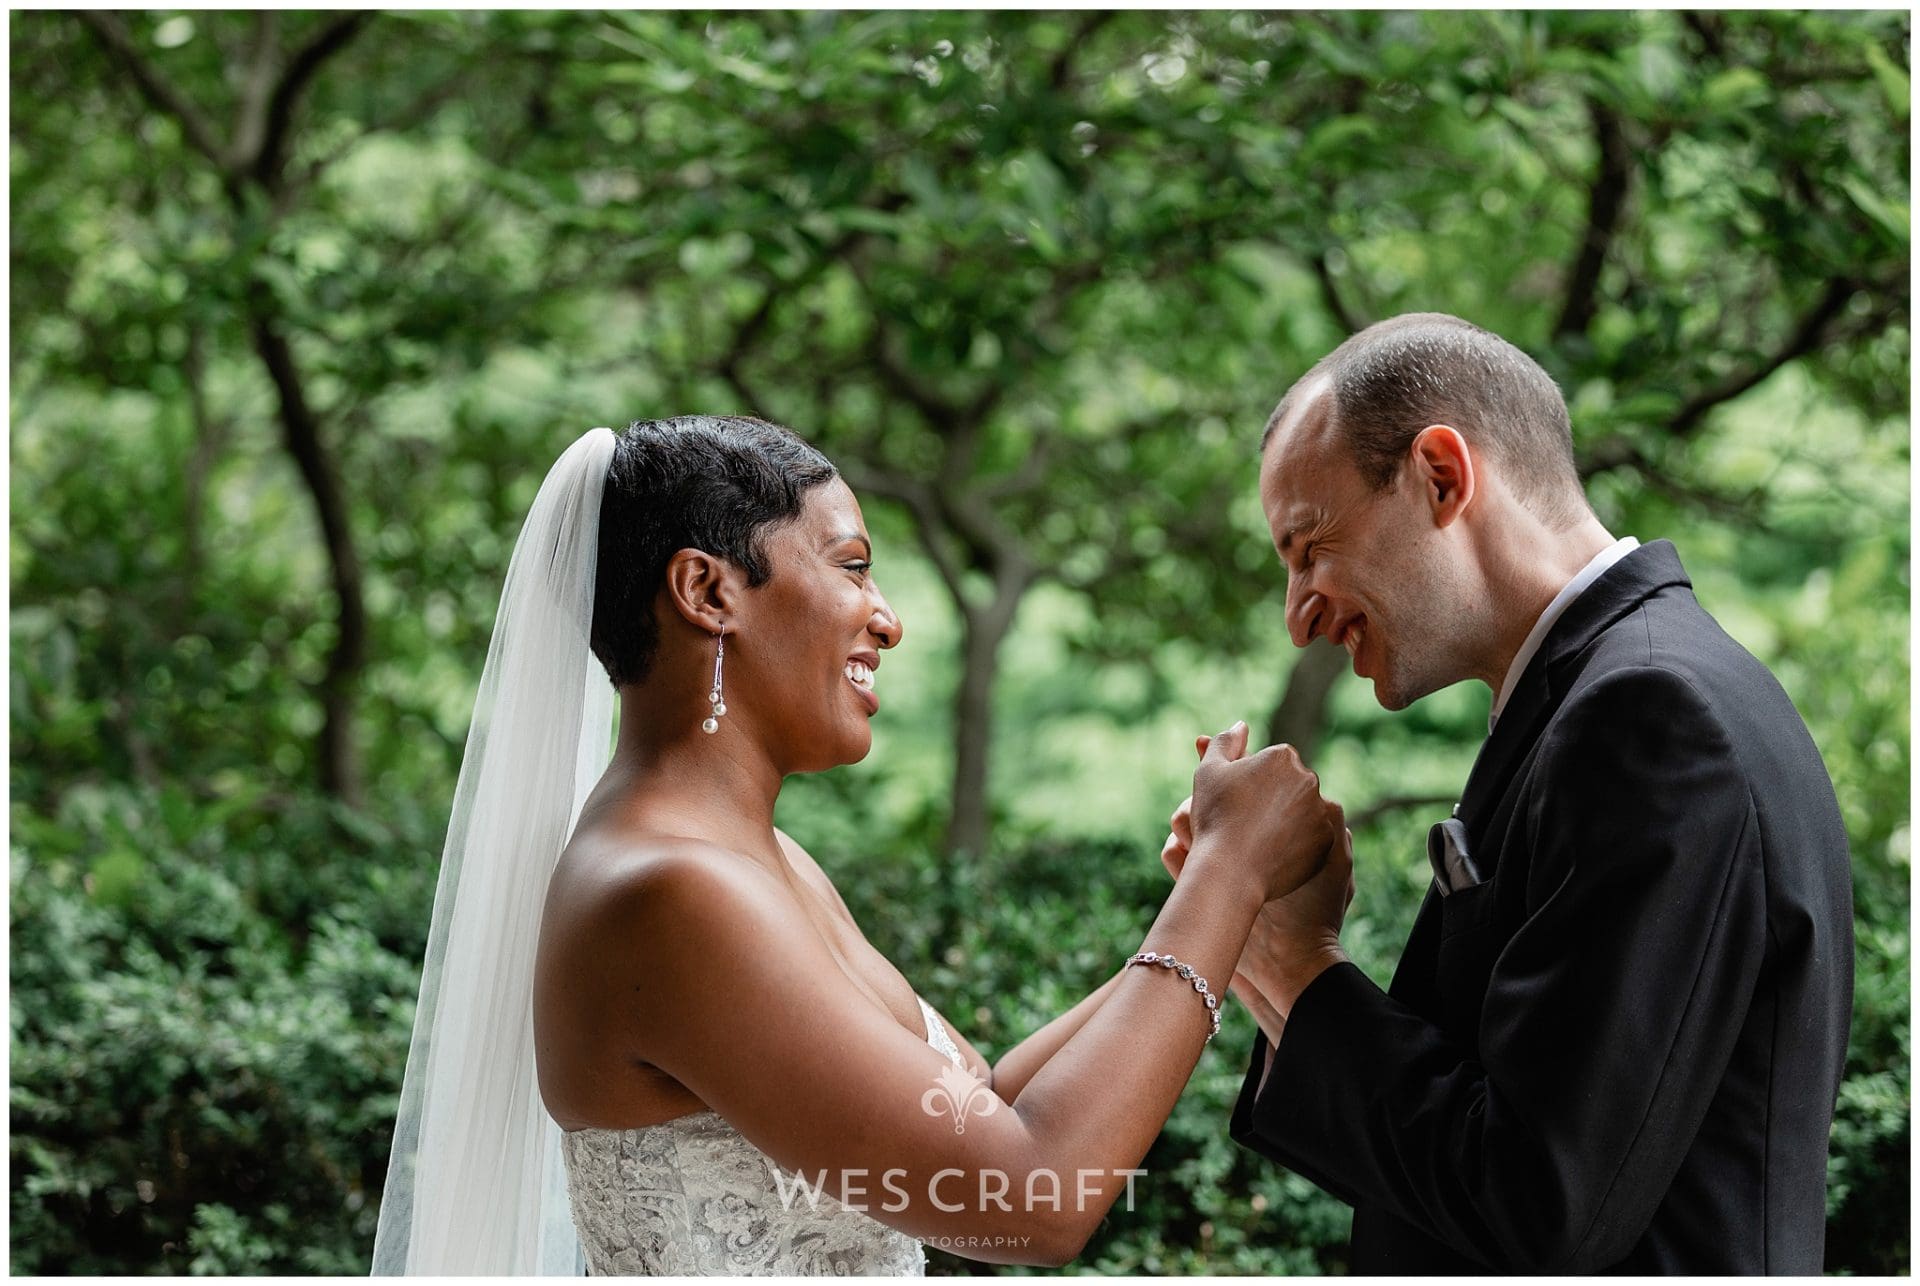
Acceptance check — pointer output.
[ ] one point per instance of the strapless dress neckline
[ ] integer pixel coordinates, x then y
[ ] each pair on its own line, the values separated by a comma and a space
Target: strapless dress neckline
692, 1197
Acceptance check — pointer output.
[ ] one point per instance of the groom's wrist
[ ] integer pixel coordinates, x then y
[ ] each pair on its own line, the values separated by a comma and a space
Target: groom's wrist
1292, 973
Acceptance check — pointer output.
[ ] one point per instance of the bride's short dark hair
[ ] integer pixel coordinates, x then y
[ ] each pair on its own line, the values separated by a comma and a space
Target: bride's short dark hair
709, 482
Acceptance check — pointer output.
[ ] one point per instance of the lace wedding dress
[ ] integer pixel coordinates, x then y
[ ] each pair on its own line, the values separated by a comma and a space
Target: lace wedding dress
691, 1197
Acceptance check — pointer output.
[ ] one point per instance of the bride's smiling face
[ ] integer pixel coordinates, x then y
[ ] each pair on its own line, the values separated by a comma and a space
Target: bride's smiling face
809, 639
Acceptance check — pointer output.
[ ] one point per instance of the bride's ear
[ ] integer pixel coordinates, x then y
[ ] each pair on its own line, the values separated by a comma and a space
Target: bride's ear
705, 590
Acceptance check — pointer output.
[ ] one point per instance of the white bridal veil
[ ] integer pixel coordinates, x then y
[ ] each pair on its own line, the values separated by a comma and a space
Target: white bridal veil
476, 1183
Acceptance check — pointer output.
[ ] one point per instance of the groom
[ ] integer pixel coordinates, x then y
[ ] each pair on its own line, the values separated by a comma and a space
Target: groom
1615, 1035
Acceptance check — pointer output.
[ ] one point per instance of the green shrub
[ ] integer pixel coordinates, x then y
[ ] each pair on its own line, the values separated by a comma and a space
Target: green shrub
207, 1039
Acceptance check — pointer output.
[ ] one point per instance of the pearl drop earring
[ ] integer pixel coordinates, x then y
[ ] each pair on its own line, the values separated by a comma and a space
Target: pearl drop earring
712, 722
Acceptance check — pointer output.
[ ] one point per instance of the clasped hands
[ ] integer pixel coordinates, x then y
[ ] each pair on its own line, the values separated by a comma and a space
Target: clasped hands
1264, 812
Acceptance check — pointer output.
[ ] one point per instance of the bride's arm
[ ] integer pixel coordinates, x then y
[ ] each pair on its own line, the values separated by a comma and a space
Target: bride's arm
726, 990
1018, 1065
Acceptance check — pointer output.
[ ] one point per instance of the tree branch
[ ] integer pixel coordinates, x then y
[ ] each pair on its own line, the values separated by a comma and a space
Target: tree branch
1026, 341
944, 417
1806, 337
743, 339
123, 711
1393, 804
1031, 473
416, 112
1061, 70
1349, 320
941, 416
1744, 509
1809, 333
919, 502
749, 331
161, 92
1605, 202
1707, 30
250, 127
995, 549
269, 162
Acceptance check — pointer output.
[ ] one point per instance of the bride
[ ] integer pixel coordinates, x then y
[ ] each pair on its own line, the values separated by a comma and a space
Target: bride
650, 1037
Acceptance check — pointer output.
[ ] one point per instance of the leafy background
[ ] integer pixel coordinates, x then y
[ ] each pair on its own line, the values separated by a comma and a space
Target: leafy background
305, 303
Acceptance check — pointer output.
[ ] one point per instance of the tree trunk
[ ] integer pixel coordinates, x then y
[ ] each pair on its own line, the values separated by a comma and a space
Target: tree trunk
300, 430
970, 816
967, 816
1300, 716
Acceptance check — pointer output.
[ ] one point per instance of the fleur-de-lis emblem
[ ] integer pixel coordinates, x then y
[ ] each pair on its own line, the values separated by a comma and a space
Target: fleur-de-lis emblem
959, 1094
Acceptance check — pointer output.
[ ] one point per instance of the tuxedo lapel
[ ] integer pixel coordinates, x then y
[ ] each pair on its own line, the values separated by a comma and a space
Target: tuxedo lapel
1513, 734
1544, 683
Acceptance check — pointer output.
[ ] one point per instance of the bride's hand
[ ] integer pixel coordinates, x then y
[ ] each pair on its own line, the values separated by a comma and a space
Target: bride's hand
1310, 917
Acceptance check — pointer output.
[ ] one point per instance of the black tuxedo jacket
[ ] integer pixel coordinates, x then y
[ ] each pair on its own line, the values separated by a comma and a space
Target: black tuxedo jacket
1620, 1052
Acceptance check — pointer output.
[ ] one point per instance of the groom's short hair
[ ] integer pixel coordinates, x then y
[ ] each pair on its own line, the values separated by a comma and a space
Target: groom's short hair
1398, 376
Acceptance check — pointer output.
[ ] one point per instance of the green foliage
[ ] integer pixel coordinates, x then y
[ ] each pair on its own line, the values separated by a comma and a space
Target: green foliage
207, 1045
1035, 280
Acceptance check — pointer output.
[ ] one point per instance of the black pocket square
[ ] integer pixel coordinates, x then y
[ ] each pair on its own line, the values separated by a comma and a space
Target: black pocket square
1453, 867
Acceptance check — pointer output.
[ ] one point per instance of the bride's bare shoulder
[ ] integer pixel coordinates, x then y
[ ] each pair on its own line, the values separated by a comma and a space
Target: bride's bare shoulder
609, 879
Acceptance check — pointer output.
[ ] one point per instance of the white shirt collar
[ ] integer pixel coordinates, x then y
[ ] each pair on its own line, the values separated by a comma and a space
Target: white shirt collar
1571, 590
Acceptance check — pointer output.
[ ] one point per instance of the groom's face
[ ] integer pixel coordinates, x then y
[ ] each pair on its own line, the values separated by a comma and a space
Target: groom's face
1360, 570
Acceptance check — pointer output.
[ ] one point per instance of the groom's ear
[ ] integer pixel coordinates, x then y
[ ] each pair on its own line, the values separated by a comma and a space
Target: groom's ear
1444, 469
703, 588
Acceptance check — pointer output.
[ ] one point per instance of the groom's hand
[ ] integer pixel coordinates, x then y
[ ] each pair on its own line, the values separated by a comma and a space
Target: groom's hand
1295, 937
